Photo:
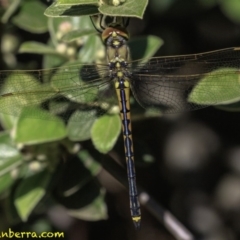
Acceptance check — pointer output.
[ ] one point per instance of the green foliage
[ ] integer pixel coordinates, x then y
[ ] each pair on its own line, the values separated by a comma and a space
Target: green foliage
25, 19
35, 142
52, 128
130, 8
231, 9
11, 159
37, 135
149, 46
29, 192
38, 48
80, 125
210, 92
105, 132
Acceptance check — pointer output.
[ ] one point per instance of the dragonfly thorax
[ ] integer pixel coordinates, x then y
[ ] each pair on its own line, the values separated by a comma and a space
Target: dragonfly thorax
118, 68
116, 47
118, 63
115, 41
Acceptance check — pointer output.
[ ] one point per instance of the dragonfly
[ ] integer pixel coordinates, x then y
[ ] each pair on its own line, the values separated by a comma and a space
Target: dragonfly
170, 84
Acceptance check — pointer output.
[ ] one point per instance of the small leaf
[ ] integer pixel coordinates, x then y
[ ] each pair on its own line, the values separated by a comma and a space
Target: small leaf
74, 35
130, 8
6, 181
8, 152
53, 60
38, 126
13, 6
149, 45
80, 124
37, 48
221, 86
89, 51
68, 80
7, 121
30, 191
231, 9
10, 162
56, 10
105, 132
70, 28
20, 90
31, 18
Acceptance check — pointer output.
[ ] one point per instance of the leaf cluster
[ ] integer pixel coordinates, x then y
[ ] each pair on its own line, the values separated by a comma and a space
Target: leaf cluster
35, 143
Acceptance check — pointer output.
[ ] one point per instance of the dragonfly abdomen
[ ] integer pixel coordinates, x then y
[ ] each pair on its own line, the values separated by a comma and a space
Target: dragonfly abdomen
123, 92
118, 54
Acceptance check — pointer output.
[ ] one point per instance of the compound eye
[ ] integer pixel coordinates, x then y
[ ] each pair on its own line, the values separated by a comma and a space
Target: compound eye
114, 32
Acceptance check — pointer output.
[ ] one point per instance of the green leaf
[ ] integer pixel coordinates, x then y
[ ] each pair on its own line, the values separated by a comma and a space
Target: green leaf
231, 9
6, 181
8, 153
31, 18
20, 90
56, 10
52, 60
91, 48
10, 10
58, 108
80, 124
149, 45
77, 2
60, 27
218, 87
130, 8
7, 121
30, 130
105, 132
74, 35
67, 79
95, 211
30, 191
91, 43
37, 48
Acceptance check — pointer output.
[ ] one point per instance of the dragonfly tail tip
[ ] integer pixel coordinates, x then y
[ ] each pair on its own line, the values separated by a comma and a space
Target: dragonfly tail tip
137, 224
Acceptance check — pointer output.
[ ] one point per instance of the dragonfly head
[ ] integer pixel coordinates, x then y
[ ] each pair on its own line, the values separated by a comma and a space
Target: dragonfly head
114, 32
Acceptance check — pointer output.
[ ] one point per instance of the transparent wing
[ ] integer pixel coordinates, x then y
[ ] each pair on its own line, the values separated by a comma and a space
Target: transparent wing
60, 90
172, 84
183, 83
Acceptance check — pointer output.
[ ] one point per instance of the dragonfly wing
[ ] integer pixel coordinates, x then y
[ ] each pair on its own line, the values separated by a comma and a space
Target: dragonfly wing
61, 90
183, 83
18, 90
167, 93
